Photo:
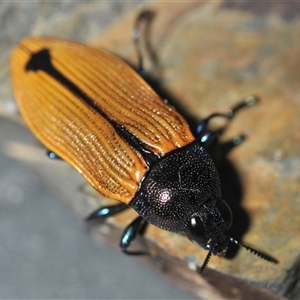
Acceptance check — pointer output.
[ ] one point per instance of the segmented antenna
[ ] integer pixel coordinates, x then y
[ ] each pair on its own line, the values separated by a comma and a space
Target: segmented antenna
205, 263
256, 252
248, 248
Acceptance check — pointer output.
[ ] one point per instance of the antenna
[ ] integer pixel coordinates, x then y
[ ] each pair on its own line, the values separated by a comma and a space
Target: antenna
248, 248
205, 262
256, 252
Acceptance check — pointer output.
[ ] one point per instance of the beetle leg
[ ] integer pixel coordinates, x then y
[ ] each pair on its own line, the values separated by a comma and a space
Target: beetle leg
206, 138
145, 16
52, 155
106, 211
226, 147
201, 128
137, 226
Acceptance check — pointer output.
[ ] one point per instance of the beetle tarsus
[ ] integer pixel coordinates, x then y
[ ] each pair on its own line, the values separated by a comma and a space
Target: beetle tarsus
227, 146
137, 226
250, 100
106, 211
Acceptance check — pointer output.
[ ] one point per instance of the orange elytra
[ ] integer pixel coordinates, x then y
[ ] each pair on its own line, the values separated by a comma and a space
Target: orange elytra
75, 131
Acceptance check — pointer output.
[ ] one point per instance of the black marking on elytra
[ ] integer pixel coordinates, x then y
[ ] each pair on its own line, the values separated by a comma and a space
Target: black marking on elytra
41, 60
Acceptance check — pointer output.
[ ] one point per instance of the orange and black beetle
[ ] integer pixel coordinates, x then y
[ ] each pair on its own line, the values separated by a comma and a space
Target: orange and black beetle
99, 115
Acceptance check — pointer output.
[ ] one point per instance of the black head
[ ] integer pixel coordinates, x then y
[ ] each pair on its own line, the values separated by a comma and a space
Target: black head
181, 193
208, 228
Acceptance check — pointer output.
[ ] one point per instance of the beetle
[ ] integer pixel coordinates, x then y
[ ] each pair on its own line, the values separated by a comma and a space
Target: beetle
95, 112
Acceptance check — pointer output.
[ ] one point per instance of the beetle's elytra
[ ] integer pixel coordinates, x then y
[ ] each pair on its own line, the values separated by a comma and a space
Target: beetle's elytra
98, 114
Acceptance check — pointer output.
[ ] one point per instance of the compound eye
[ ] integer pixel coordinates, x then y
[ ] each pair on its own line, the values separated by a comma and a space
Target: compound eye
195, 231
225, 212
